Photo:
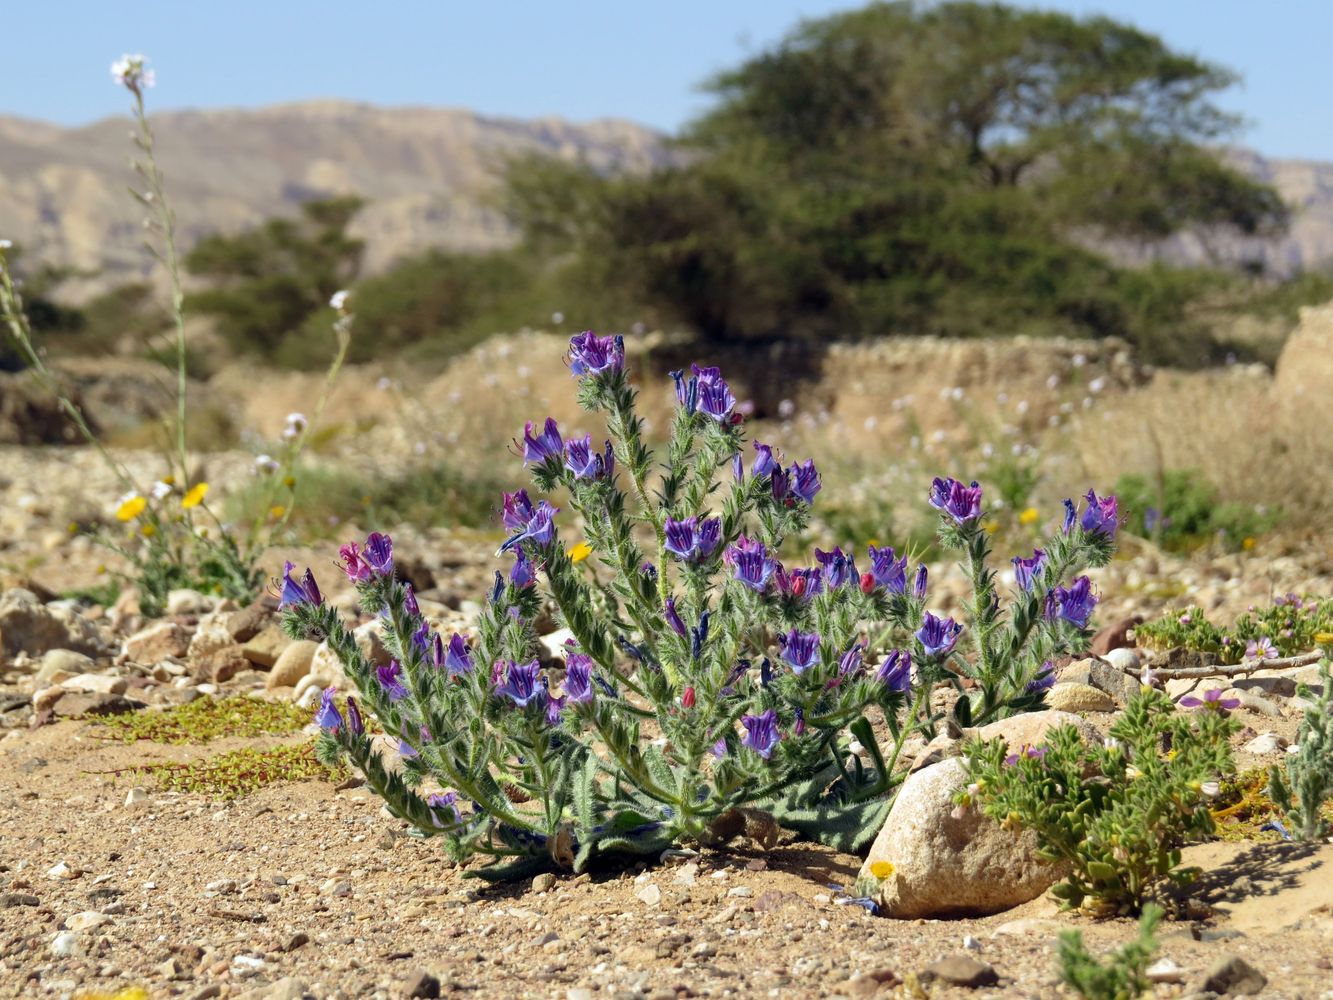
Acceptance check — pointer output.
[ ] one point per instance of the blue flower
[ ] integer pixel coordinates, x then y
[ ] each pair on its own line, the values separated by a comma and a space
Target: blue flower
761, 733
555, 707
800, 650
752, 564
1027, 570
522, 682
850, 661
805, 480
803, 584
1074, 603
539, 528
457, 658
355, 725
673, 617
691, 540
523, 572
895, 673
962, 503
544, 445
328, 717
410, 601
888, 571
1070, 515
578, 677
388, 676
590, 354
1101, 516
1044, 680
379, 553
837, 567
938, 636
780, 483
715, 398
294, 593
584, 463
765, 462
517, 511
919, 587
444, 809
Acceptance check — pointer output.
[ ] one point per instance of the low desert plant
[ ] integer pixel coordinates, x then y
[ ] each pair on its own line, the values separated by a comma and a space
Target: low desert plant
1307, 783
1289, 626
1122, 976
708, 689
1116, 813
1180, 509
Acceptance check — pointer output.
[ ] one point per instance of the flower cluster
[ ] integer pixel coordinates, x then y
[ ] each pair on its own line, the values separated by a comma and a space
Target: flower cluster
759, 676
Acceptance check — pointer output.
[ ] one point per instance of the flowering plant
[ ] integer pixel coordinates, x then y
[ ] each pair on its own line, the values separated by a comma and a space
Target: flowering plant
1302, 788
708, 686
1291, 625
1116, 813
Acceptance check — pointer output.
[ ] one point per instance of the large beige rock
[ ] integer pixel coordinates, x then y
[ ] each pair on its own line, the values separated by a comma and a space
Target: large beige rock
1033, 728
1068, 696
29, 626
292, 665
1304, 373
949, 862
213, 653
157, 642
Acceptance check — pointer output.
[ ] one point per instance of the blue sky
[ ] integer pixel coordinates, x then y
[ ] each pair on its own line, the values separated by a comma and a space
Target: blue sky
581, 59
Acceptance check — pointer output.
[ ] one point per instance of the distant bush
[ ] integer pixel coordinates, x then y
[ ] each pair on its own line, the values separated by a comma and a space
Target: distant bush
1182, 510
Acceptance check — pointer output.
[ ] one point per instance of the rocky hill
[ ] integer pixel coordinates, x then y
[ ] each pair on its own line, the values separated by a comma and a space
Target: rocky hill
425, 170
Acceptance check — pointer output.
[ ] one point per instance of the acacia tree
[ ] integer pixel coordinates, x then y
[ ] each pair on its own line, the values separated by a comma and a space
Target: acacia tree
914, 168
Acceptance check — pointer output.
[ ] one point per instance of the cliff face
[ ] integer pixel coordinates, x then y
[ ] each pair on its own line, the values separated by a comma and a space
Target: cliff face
424, 170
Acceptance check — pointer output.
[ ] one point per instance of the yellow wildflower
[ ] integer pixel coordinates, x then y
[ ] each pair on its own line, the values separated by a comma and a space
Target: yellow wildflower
276, 511
1248, 543
195, 496
991, 525
1323, 638
289, 482
579, 552
131, 507
1028, 516
129, 993
882, 869
149, 530
874, 542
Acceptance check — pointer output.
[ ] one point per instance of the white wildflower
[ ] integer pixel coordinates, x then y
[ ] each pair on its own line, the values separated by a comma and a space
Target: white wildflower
339, 300
131, 71
160, 489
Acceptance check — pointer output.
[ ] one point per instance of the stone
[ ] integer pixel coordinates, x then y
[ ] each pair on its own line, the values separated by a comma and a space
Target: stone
1114, 635
156, 642
1123, 659
96, 684
86, 920
650, 895
949, 862
1255, 703
1164, 971
292, 664
544, 882
288, 988
1073, 697
213, 654
1032, 728
1265, 743
188, 602
960, 970
66, 944
264, 647
1231, 975
9, 899
29, 626
44, 699
138, 798
422, 984
78, 704
56, 662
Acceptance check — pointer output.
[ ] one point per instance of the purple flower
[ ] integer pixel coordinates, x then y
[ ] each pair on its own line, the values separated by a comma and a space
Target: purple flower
919, 585
761, 733
805, 480
523, 572
355, 725
457, 658
517, 510
439, 803
1212, 701
962, 503
379, 553
1044, 680
1260, 649
410, 601
294, 593
719, 749
584, 463
765, 462
388, 676
522, 682
895, 673
578, 677
1027, 751
838, 567
544, 445
555, 707
753, 566
1027, 570
1074, 603
800, 650
691, 540
715, 398
328, 717
590, 354
780, 483
1100, 517
673, 617
1070, 515
888, 571
421, 638
800, 583
358, 570
539, 527
850, 662
938, 636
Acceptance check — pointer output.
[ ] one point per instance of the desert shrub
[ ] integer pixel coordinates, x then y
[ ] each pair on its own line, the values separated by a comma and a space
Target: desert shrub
1181, 509
1117, 813
1302, 788
1122, 975
684, 624
1289, 626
